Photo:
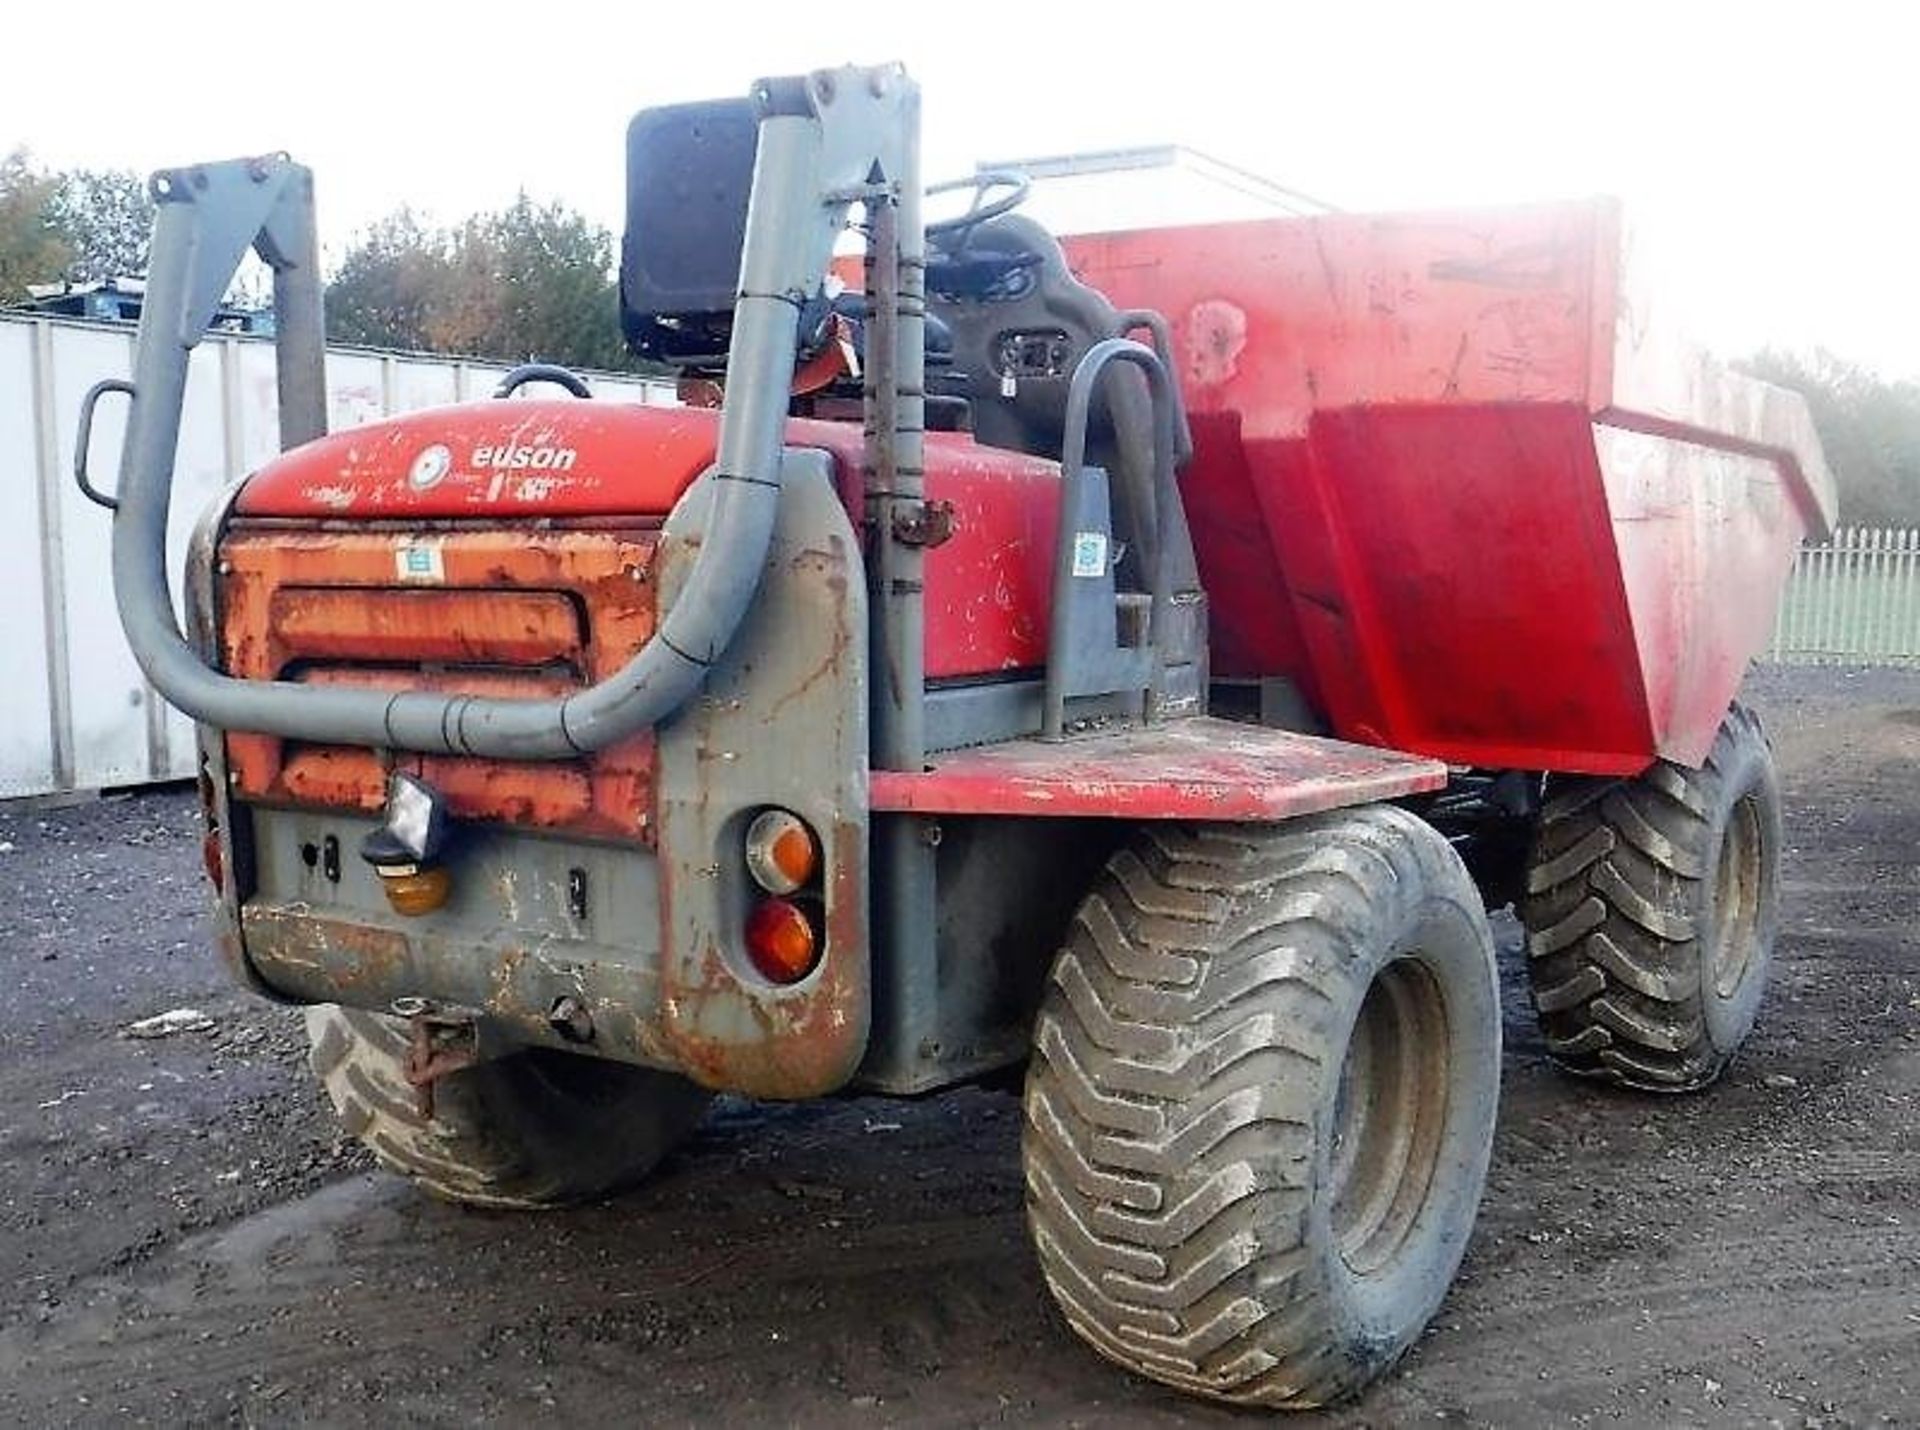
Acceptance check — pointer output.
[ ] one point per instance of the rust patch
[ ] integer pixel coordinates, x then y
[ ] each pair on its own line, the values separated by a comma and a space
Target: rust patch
344, 779
1217, 336
435, 1047
324, 959
785, 1043
500, 999
516, 611
497, 627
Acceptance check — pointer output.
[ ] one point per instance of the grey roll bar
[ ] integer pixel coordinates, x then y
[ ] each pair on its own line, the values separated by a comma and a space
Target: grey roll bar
824, 139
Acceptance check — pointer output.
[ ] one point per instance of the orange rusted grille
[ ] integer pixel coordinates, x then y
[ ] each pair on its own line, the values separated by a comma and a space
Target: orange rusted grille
513, 611
412, 627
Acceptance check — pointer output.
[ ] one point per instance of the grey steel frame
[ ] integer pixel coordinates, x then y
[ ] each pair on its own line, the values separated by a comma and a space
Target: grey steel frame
824, 139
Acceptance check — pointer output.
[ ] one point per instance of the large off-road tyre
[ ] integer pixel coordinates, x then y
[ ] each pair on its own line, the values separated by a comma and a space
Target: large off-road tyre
1651, 910
535, 1129
1261, 1101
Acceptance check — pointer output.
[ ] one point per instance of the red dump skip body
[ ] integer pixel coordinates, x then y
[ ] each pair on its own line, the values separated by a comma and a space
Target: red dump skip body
1458, 482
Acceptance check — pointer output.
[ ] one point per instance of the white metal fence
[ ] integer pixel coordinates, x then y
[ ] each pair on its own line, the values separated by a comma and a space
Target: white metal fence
1853, 601
75, 712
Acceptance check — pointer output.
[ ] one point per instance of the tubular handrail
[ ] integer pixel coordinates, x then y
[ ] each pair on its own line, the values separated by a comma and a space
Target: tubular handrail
820, 138
1073, 460
1127, 322
551, 372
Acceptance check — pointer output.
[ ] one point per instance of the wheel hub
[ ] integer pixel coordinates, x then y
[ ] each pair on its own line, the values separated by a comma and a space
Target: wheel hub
1739, 880
1389, 1111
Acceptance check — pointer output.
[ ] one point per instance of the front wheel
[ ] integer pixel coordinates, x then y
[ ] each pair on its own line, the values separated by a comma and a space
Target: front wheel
535, 1129
1262, 1100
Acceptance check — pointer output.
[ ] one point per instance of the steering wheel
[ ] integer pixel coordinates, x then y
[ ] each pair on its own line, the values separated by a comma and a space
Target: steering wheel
953, 232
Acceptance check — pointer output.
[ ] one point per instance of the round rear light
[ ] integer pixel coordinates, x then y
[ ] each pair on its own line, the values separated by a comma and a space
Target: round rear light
782, 854
781, 941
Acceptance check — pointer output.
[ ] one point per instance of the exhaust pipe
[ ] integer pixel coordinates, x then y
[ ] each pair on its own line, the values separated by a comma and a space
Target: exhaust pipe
821, 137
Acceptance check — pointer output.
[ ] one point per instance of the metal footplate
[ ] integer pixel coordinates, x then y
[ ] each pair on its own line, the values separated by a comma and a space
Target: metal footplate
1195, 769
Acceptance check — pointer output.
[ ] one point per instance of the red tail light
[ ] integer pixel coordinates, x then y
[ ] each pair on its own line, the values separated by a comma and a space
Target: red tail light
781, 941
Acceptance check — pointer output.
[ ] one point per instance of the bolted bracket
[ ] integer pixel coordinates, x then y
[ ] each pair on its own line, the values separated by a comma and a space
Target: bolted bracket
922, 523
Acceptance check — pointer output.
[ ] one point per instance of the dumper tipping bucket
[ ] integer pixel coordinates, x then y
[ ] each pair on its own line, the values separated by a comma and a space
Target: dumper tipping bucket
1455, 478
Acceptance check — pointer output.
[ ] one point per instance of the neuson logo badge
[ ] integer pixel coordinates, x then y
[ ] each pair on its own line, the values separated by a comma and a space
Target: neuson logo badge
429, 467
512, 457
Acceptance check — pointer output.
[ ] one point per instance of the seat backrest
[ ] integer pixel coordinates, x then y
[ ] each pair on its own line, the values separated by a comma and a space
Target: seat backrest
689, 172
1021, 324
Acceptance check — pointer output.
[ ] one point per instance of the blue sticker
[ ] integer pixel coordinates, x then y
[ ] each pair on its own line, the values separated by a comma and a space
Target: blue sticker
1089, 553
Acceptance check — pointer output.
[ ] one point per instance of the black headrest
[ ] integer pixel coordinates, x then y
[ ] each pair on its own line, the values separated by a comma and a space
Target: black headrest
689, 171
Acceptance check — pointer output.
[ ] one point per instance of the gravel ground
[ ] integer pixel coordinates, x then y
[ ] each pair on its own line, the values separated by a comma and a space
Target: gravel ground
185, 1238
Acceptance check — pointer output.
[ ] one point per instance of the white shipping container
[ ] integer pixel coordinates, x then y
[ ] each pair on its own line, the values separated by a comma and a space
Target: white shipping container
75, 712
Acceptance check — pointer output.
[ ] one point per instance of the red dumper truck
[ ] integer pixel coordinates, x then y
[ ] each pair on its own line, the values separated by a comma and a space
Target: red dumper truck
1130, 667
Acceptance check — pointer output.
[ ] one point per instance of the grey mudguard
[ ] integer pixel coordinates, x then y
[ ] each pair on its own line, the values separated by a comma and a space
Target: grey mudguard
782, 721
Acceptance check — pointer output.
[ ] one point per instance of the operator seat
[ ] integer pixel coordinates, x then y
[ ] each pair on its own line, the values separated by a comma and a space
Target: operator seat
1020, 324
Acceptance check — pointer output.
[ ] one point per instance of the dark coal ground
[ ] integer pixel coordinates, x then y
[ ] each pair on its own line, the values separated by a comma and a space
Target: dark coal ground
184, 1237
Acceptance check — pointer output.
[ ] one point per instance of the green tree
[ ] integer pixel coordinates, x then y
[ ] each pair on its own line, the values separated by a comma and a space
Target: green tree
33, 248
529, 281
392, 281
548, 273
107, 219
1869, 429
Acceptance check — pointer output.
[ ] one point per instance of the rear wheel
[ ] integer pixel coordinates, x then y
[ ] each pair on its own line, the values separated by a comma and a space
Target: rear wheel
535, 1129
1651, 909
1261, 1102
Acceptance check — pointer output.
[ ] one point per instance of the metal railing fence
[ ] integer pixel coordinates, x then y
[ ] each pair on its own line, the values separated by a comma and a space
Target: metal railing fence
1854, 600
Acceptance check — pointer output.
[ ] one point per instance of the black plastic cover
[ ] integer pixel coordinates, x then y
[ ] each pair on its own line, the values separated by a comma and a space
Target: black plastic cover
689, 171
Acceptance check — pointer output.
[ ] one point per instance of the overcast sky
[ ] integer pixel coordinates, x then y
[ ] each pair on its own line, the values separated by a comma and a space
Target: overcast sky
1765, 152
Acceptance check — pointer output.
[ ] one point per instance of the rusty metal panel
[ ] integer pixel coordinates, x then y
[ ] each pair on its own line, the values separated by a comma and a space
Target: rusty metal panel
781, 721
512, 940
473, 627
517, 611
1202, 769
654, 957
988, 579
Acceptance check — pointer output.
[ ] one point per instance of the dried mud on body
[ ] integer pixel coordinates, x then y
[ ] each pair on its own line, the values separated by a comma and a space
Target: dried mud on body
185, 1239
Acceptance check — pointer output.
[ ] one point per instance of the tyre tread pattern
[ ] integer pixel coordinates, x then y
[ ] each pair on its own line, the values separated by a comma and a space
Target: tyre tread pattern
1613, 912
1169, 1169
489, 1143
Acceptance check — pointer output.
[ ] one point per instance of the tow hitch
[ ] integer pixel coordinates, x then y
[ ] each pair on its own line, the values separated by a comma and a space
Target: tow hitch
441, 1040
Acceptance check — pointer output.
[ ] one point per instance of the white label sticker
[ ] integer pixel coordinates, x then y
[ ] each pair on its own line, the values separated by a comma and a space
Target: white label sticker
1089, 553
419, 562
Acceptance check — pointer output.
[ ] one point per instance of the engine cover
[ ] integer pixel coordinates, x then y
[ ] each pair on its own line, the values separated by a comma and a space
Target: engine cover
562, 462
